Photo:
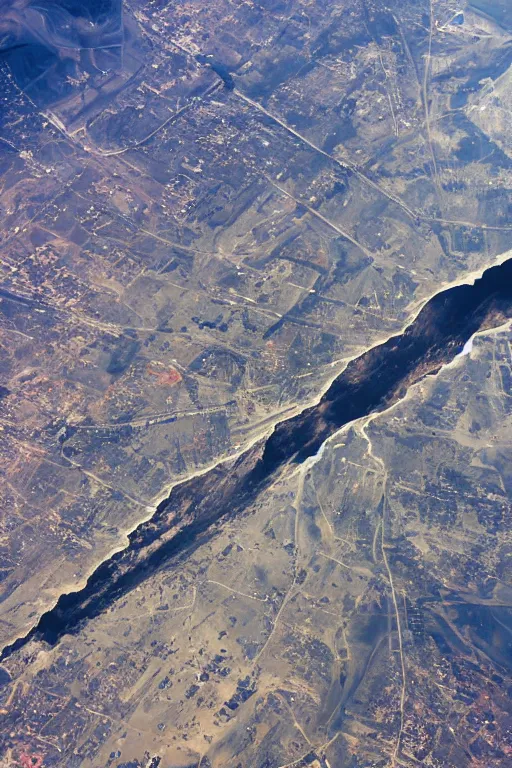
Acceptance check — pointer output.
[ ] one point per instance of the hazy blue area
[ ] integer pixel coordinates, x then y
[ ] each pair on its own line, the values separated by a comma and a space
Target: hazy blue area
40, 40
498, 10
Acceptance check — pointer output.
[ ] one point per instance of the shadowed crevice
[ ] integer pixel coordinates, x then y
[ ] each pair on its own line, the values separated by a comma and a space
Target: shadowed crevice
193, 509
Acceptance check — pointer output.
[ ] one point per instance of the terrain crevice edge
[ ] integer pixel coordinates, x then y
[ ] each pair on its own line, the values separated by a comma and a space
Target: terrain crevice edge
370, 383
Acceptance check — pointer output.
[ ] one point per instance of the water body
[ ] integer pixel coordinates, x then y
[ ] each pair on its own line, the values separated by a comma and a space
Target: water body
370, 383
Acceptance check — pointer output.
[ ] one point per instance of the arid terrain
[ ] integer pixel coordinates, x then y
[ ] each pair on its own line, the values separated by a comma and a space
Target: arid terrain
255, 509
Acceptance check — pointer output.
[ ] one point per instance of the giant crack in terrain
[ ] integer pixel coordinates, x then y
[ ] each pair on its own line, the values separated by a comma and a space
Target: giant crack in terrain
370, 383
